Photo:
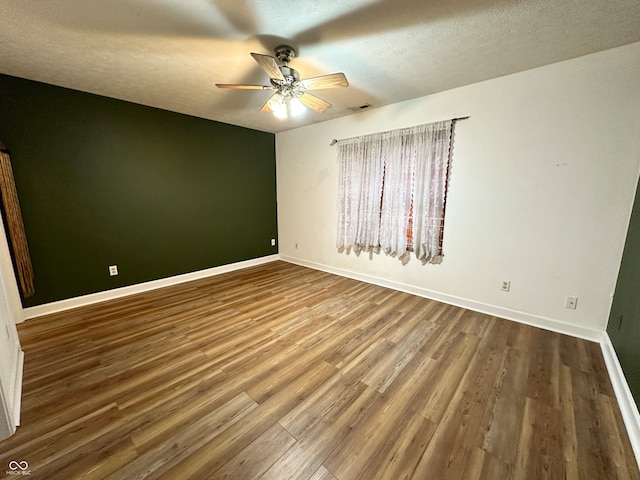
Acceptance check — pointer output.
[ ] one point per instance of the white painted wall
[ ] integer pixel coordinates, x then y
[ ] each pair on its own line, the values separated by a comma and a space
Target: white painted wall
10, 353
542, 184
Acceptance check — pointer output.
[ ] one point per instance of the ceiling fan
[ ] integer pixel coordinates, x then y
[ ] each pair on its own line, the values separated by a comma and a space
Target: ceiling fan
290, 95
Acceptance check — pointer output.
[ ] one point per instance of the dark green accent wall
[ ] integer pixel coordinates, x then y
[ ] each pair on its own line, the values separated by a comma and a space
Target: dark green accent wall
103, 181
624, 321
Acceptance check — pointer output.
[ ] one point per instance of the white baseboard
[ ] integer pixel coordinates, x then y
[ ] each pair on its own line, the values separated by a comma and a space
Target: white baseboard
626, 402
515, 315
53, 307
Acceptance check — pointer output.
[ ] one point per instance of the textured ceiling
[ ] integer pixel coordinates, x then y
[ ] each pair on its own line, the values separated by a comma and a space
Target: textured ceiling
169, 53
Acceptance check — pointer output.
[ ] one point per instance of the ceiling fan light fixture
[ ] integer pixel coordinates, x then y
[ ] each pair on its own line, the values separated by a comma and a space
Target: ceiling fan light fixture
296, 107
281, 113
277, 105
285, 104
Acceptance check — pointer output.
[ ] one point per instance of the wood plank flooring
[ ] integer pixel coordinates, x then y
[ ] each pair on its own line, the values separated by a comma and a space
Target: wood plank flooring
283, 372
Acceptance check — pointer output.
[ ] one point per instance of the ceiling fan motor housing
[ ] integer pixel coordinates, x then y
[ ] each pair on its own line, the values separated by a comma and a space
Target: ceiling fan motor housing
291, 76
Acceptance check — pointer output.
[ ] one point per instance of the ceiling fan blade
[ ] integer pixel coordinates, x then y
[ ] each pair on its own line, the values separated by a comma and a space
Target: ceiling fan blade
314, 103
325, 81
265, 107
242, 86
269, 65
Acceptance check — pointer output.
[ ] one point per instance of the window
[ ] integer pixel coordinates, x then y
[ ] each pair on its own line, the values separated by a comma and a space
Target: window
392, 191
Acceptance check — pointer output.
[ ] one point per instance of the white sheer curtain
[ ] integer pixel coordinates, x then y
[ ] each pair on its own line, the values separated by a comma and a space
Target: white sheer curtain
392, 189
360, 193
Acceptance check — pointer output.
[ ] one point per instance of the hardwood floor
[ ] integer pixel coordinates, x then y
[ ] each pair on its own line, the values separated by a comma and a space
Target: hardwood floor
282, 372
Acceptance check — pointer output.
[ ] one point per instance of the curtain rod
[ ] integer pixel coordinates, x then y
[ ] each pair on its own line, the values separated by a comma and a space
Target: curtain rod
334, 141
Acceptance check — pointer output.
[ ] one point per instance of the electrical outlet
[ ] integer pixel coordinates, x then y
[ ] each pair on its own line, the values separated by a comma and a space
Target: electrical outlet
273, 242
571, 303
505, 285
113, 270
